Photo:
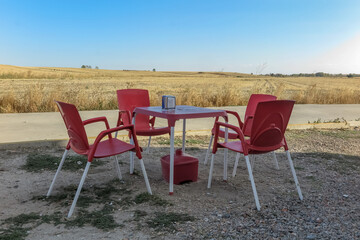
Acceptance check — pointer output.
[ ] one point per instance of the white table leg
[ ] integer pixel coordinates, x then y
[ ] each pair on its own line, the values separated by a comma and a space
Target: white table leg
184, 133
172, 152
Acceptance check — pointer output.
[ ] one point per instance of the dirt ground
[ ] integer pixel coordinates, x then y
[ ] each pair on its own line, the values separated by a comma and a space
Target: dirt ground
327, 163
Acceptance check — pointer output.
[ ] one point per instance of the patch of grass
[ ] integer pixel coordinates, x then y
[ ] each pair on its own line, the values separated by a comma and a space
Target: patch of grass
13, 233
299, 168
84, 201
164, 141
344, 134
99, 194
152, 199
178, 141
100, 219
126, 201
105, 193
39, 162
316, 121
66, 196
311, 178
195, 141
166, 221
16, 231
336, 120
299, 134
189, 149
55, 218
138, 214
23, 219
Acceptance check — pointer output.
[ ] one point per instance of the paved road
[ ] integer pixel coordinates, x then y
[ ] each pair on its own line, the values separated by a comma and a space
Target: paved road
25, 127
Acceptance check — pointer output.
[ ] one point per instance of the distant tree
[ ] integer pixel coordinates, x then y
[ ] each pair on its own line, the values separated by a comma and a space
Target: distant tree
154, 70
85, 66
319, 74
96, 67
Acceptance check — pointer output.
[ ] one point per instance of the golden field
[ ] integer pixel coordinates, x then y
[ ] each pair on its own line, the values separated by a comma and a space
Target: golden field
33, 89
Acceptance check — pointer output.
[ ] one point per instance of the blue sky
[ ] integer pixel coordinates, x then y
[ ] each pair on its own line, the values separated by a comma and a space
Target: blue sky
186, 35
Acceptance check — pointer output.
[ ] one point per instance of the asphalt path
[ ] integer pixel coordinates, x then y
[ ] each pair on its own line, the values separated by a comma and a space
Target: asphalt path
27, 127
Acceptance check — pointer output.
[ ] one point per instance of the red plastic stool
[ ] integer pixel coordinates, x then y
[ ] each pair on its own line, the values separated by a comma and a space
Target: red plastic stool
185, 167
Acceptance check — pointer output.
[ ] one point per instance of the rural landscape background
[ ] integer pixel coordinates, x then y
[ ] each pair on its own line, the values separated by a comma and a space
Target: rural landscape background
33, 89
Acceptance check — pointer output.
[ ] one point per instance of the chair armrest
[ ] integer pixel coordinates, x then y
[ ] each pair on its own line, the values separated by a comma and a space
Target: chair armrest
108, 132
226, 125
97, 119
241, 124
232, 113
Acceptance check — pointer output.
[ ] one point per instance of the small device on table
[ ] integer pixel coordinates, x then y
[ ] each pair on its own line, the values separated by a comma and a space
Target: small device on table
168, 102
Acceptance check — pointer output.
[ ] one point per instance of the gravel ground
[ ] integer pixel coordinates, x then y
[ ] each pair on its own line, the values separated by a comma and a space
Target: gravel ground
327, 163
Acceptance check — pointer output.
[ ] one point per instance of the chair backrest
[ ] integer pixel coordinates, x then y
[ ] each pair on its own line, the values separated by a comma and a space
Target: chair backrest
254, 100
269, 124
75, 127
251, 107
129, 99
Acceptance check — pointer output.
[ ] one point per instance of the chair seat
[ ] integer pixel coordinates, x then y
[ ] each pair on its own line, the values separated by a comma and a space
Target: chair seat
237, 147
111, 147
234, 146
151, 131
231, 133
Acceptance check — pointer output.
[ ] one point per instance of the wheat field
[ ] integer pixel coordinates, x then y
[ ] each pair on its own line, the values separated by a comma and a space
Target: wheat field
33, 89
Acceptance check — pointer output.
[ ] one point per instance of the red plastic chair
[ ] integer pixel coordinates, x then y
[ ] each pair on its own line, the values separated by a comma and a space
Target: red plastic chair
101, 148
244, 126
128, 100
267, 134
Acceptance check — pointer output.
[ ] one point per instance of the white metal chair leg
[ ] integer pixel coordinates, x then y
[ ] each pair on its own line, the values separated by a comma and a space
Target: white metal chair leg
208, 150
226, 151
117, 166
294, 175
252, 163
131, 168
252, 183
211, 170
148, 147
132, 157
275, 160
79, 189
145, 176
57, 172
236, 164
